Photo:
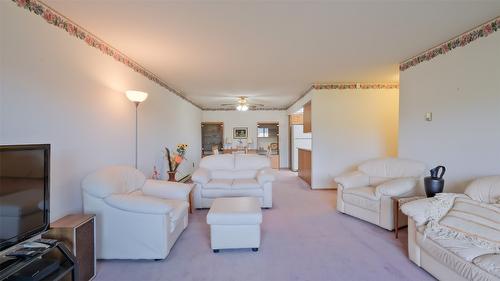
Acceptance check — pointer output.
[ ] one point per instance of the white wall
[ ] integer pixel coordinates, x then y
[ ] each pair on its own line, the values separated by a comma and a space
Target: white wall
462, 90
349, 127
55, 89
250, 119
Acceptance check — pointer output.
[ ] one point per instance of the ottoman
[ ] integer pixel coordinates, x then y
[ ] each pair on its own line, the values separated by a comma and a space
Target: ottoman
235, 223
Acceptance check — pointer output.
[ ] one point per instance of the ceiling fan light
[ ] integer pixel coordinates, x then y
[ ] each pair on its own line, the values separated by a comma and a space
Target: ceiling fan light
239, 107
244, 107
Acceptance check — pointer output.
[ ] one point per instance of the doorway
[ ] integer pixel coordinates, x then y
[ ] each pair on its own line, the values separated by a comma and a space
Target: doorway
268, 142
212, 138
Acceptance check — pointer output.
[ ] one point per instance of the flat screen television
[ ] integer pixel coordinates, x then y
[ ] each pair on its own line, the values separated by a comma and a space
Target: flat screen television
24, 192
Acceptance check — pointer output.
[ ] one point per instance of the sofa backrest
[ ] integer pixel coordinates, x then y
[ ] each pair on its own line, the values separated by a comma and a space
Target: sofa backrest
218, 162
234, 166
474, 219
251, 162
383, 169
485, 189
113, 180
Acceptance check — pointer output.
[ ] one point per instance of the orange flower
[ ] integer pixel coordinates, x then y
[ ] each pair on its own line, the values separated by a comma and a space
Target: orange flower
178, 159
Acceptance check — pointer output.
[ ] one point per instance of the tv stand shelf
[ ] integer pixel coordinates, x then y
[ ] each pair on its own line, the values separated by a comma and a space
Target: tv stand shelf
59, 253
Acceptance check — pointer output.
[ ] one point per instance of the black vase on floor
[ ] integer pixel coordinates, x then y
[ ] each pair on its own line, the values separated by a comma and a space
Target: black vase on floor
435, 183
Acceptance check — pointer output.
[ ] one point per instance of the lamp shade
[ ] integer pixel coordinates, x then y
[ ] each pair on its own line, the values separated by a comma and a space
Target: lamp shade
136, 96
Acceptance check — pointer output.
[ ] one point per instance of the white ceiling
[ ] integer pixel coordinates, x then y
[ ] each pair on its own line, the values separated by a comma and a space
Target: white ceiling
272, 51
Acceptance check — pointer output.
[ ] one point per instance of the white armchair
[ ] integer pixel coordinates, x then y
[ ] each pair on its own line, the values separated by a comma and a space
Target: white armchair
233, 175
136, 218
366, 193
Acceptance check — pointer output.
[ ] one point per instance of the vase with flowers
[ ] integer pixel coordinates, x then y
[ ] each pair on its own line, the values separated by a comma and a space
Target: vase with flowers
175, 159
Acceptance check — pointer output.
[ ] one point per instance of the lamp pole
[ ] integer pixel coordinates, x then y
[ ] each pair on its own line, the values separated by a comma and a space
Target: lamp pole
136, 97
136, 130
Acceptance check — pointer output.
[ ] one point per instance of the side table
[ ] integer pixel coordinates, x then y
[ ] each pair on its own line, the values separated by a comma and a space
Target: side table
77, 232
397, 201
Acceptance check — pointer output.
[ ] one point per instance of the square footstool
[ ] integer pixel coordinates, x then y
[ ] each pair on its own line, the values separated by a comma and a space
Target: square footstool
235, 223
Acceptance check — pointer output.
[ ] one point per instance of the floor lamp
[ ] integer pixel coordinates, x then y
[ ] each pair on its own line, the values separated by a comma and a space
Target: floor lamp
136, 97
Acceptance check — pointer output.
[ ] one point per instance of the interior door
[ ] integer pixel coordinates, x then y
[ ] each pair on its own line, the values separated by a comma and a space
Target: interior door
212, 137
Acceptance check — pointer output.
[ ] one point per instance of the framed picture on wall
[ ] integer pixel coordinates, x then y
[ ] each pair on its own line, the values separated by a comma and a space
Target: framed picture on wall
240, 132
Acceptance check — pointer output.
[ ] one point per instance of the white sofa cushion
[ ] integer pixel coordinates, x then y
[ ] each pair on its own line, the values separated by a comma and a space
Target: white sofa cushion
219, 184
451, 260
245, 184
235, 211
395, 187
233, 174
375, 181
486, 190
250, 162
392, 168
218, 162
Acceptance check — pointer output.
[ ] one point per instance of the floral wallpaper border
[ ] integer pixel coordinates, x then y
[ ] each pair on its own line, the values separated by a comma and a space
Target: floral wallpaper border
252, 109
349, 86
58, 20
345, 86
459, 41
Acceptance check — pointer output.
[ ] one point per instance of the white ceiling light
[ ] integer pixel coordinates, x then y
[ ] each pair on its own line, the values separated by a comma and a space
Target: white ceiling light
242, 104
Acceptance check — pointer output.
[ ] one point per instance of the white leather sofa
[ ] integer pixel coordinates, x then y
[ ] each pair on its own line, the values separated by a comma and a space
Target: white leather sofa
366, 193
456, 237
233, 175
136, 218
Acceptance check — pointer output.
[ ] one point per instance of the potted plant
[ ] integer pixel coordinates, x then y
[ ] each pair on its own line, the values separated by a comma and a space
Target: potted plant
175, 159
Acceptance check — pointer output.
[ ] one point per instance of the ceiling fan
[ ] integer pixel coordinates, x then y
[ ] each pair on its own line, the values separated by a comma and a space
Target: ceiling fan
242, 104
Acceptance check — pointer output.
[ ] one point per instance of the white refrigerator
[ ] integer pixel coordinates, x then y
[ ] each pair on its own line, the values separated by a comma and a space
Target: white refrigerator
299, 140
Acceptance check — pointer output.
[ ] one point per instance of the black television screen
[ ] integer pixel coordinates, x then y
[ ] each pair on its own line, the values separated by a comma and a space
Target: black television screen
24, 192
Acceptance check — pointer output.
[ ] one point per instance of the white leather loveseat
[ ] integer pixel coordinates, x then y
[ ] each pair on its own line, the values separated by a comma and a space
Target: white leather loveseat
233, 175
456, 237
366, 193
136, 218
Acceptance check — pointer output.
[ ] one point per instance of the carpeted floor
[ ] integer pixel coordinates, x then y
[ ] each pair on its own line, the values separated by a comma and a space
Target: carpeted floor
303, 238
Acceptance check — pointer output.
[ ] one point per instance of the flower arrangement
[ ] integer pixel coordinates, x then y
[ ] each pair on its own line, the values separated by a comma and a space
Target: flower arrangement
175, 159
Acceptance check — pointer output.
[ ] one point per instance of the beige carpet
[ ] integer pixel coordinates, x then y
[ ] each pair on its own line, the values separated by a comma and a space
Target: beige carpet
303, 238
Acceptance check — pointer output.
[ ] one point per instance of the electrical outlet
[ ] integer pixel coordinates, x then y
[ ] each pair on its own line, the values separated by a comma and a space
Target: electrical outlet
428, 116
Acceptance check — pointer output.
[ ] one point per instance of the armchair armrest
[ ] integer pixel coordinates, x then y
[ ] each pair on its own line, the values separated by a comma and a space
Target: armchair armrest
395, 187
433, 208
417, 210
265, 175
353, 179
138, 204
201, 176
167, 189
